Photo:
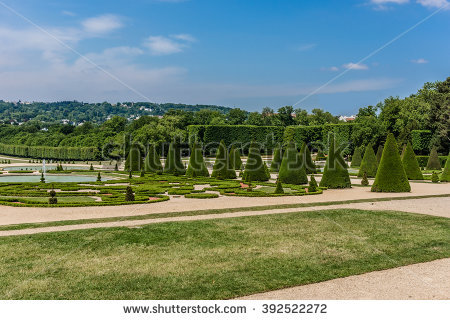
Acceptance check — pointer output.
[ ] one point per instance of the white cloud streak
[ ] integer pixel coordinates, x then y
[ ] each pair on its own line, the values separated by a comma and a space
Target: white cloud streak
103, 24
355, 66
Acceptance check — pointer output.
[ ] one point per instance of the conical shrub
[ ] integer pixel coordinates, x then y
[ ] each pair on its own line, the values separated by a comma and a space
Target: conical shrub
445, 177
279, 189
369, 163
152, 162
433, 161
313, 186
276, 160
197, 166
411, 164
291, 169
235, 158
255, 169
173, 164
222, 168
134, 160
379, 153
305, 153
356, 158
335, 174
391, 176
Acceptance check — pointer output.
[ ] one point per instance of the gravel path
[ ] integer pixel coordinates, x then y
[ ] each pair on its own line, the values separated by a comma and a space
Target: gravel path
431, 206
18, 215
423, 281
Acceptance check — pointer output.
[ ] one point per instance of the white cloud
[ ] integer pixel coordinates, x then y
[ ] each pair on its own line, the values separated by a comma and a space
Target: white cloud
434, 3
333, 68
161, 45
68, 13
102, 24
307, 47
355, 66
420, 61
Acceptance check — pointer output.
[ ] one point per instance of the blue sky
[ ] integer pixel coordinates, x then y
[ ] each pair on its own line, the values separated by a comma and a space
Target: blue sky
248, 54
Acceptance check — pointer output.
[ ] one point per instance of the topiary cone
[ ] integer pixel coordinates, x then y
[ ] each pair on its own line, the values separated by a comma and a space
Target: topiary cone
134, 160
173, 164
197, 166
379, 153
291, 169
335, 174
369, 163
356, 158
222, 168
307, 161
152, 162
391, 176
410, 164
235, 158
433, 161
276, 161
445, 177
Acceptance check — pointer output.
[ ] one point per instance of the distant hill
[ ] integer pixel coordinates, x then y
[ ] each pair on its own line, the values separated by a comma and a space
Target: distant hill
78, 112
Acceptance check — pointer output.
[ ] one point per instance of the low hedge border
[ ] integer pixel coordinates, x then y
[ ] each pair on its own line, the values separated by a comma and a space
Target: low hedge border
201, 196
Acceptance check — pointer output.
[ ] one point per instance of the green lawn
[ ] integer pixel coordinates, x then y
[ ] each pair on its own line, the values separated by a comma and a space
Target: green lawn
216, 259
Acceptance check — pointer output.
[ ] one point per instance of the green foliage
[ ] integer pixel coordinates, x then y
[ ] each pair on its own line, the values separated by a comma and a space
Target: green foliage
129, 195
421, 141
445, 177
276, 160
235, 158
173, 164
313, 186
52, 200
279, 188
42, 178
364, 181
356, 158
91, 168
379, 153
391, 176
255, 169
99, 177
45, 152
134, 160
433, 161
423, 160
434, 177
335, 174
410, 164
320, 156
291, 170
307, 161
152, 162
300, 134
197, 166
222, 168
201, 196
369, 163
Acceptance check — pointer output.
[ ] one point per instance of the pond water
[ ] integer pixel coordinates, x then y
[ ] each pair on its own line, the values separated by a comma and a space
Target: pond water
49, 178
37, 168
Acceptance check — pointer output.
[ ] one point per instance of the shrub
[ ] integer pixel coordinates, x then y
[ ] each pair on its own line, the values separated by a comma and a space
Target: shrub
255, 169
335, 174
434, 177
365, 181
152, 161
134, 160
52, 200
276, 160
222, 167
410, 164
91, 168
173, 164
369, 163
298, 134
313, 187
99, 177
433, 161
356, 158
201, 196
320, 156
129, 195
307, 161
142, 173
130, 175
116, 167
291, 169
391, 176
445, 177
197, 166
42, 178
235, 158
279, 189
423, 160
379, 153
421, 141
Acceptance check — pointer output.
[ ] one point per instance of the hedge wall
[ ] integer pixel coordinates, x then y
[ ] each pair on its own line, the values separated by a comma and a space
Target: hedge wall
57, 153
300, 134
242, 135
423, 160
421, 141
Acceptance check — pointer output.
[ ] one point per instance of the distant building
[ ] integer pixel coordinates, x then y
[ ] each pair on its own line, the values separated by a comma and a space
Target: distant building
347, 119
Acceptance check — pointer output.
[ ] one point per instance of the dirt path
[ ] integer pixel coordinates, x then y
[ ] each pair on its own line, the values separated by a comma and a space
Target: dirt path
423, 281
18, 215
431, 206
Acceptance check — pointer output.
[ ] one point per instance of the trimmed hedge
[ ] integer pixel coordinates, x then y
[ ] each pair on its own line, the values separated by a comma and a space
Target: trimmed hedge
391, 176
235, 158
197, 166
291, 170
433, 161
255, 168
222, 168
209, 135
445, 177
300, 134
306, 158
276, 160
423, 160
57, 153
379, 153
421, 141
201, 196
356, 158
410, 164
369, 164
173, 164
152, 162
335, 174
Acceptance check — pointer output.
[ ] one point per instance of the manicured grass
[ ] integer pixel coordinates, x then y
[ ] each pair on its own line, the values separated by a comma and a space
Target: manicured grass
216, 259
60, 200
